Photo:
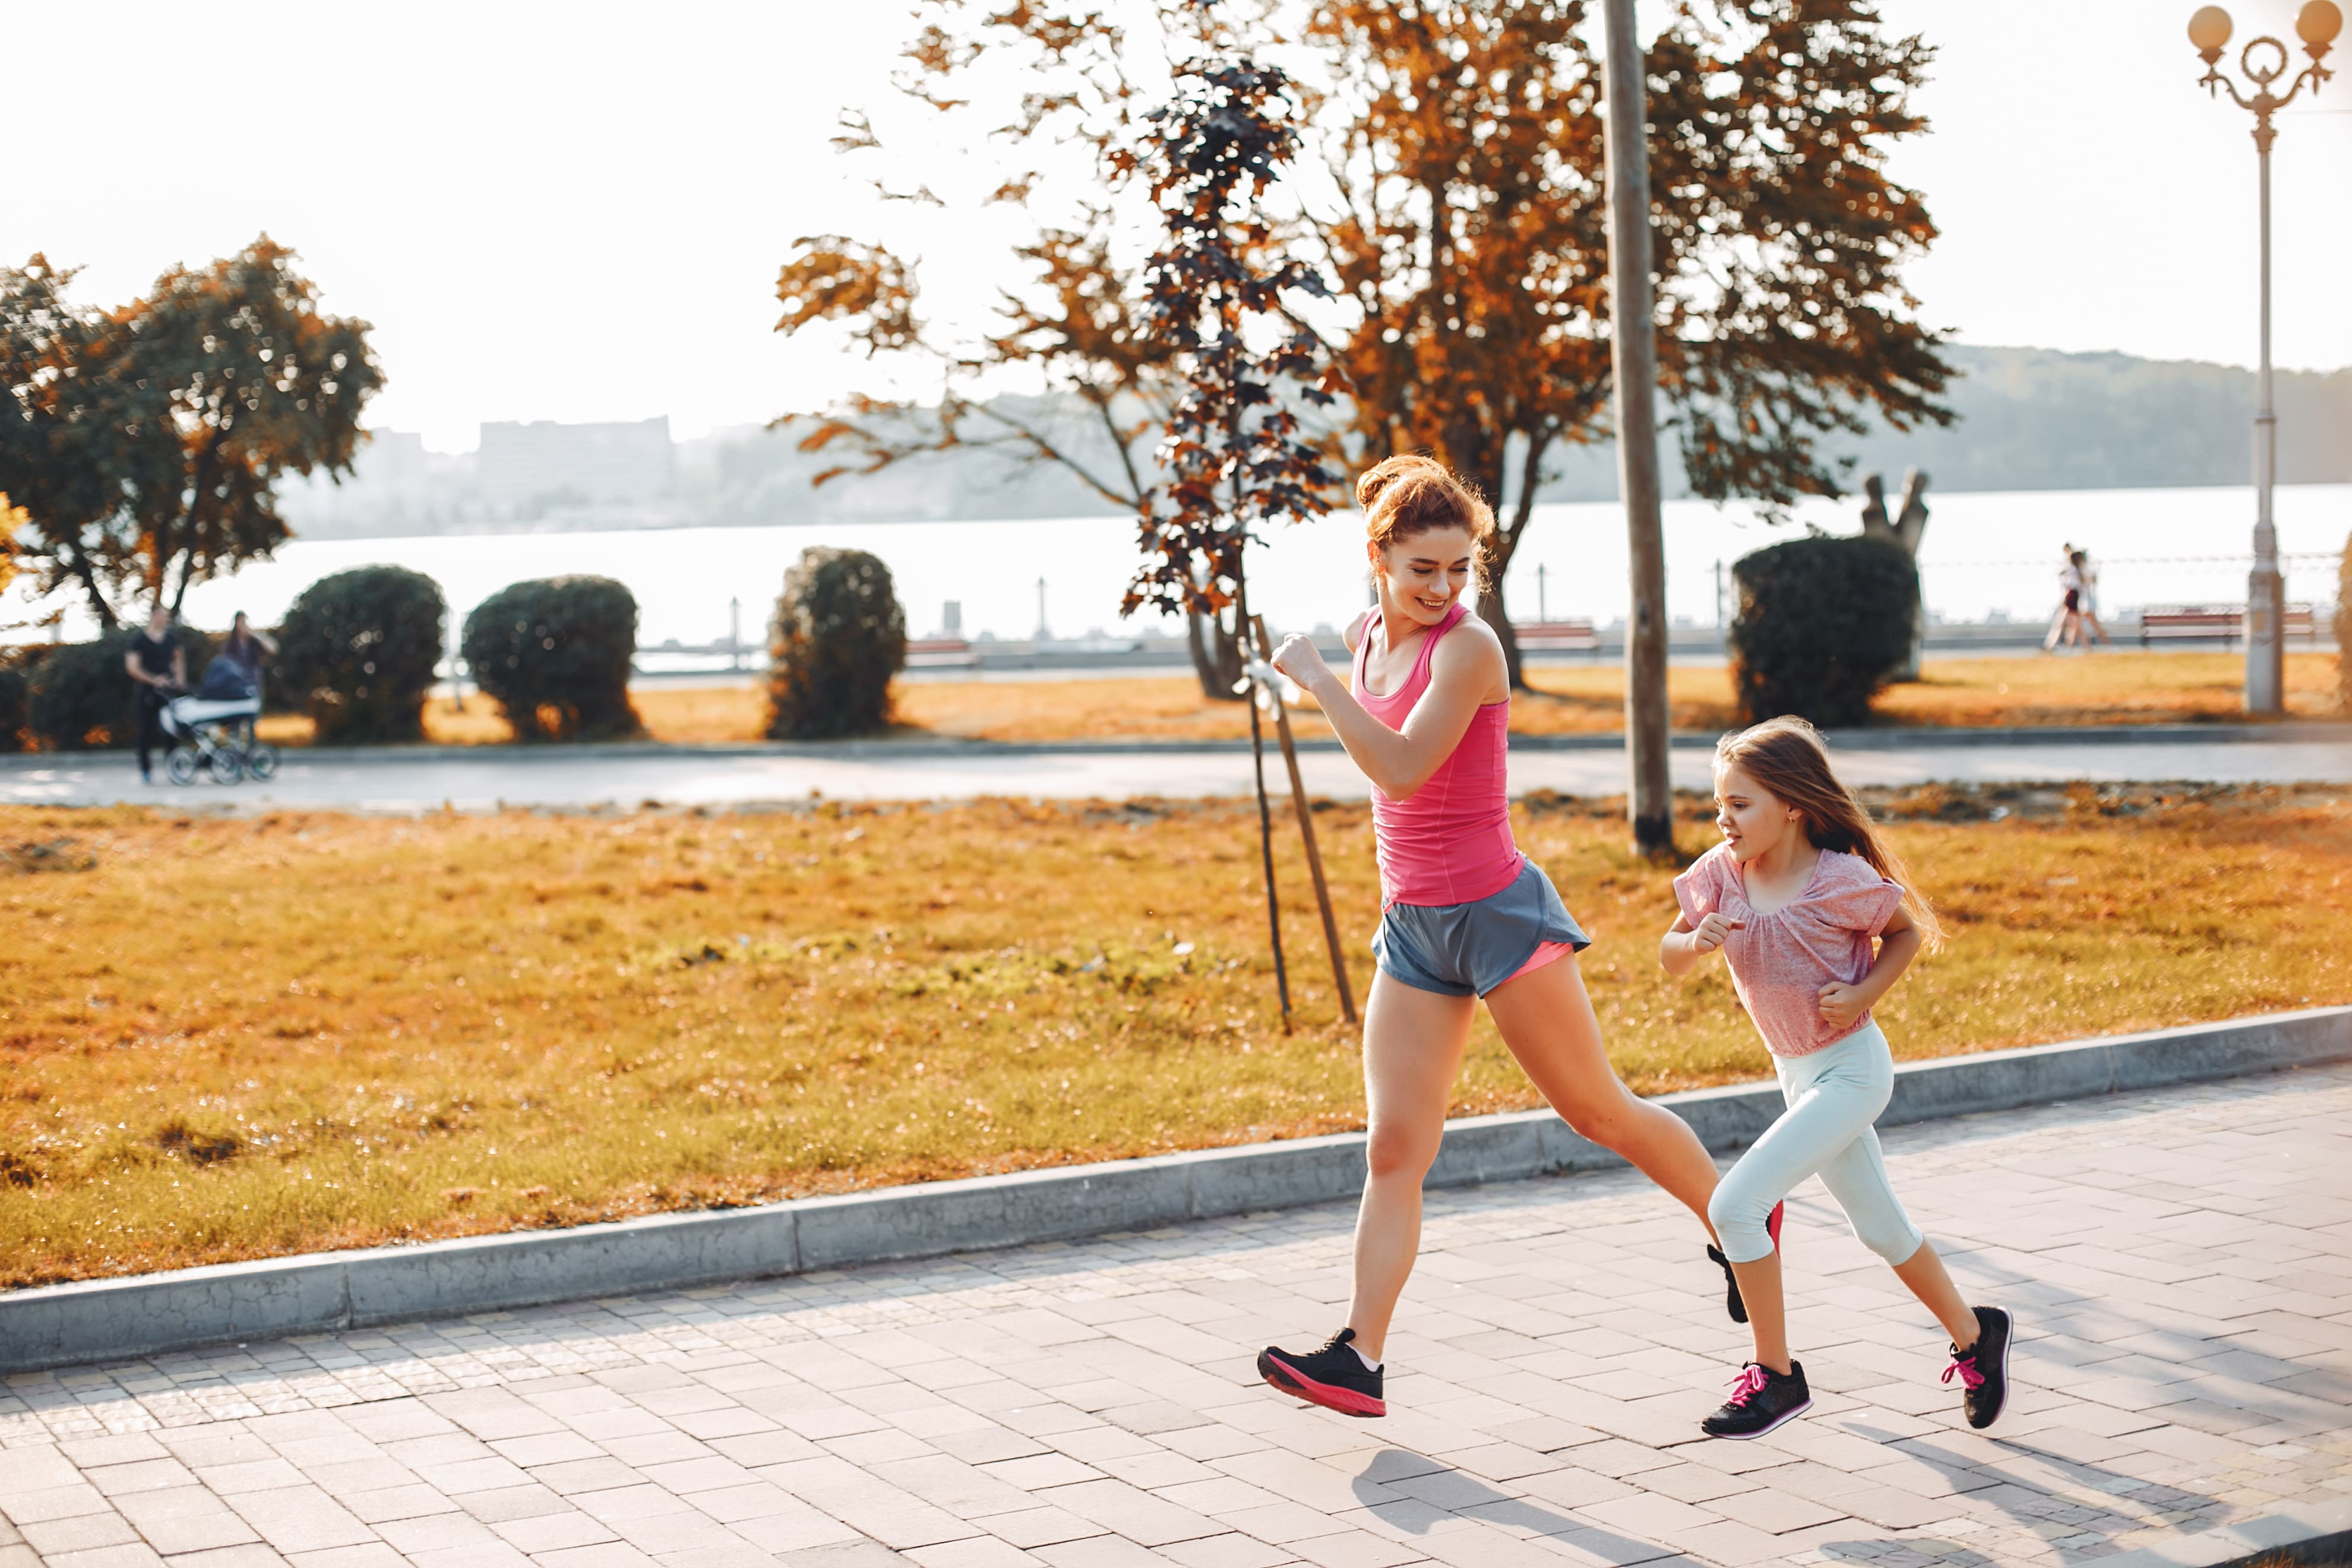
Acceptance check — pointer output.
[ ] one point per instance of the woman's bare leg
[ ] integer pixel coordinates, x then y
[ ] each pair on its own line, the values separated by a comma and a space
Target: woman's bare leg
1546, 1020
1413, 1047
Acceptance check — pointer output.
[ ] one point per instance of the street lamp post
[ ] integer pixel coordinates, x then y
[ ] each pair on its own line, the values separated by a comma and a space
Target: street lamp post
2265, 60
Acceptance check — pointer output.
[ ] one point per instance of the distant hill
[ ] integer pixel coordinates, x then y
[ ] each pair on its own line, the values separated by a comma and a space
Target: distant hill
2036, 419
2028, 419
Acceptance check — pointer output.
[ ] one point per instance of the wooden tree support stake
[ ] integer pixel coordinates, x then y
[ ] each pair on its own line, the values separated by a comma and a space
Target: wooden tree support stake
1265, 850
1306, 831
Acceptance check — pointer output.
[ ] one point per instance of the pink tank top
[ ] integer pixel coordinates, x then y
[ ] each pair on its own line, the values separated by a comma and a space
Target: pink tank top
1449, 842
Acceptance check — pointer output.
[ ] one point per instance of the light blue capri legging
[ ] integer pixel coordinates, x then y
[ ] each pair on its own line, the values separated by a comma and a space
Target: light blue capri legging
1833, 1096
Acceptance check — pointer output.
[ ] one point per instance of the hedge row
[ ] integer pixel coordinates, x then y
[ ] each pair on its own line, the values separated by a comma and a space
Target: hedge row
358, 652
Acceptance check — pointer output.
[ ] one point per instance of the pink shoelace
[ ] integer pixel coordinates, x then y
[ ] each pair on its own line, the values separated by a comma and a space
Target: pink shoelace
1966, 1367
1748, 1384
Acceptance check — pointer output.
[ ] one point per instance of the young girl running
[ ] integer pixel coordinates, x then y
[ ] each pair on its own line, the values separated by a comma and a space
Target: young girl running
1466, 915
1792, 898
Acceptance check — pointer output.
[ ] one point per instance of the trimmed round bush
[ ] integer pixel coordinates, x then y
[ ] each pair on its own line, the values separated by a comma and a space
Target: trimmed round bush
15, 694
78, 696
2344, 630
357, 652
1823, 624
554, 654
838, 637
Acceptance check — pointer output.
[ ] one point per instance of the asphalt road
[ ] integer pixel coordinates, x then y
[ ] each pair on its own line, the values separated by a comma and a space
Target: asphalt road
485, 779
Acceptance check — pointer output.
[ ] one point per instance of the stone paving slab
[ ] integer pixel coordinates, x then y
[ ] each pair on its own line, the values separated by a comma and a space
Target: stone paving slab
2180, 1262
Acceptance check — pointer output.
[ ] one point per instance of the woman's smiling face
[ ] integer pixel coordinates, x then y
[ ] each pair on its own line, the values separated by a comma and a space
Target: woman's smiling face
1425, 574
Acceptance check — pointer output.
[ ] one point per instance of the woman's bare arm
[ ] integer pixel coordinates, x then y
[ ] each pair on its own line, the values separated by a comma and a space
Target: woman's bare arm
1464, 670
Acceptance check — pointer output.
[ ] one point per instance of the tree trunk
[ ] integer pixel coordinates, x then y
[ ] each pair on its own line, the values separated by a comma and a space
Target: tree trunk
107, 620
1504, 546
1490, 610
1216, 657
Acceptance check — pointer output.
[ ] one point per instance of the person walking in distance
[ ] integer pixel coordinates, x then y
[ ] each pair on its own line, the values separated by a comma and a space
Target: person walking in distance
1793, 897
2066, 624
160, 665
2087, 600
1465, 915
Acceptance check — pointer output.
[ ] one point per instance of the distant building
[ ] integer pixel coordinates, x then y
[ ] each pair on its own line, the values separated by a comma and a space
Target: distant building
393, 459
528, 467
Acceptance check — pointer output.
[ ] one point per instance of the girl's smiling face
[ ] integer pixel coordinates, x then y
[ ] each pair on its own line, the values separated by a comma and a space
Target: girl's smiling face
1421, 577
1752, 819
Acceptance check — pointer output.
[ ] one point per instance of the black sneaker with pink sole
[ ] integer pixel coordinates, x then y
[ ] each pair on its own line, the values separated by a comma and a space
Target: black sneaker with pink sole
1983, 1369
1334, 1377
1761, 1401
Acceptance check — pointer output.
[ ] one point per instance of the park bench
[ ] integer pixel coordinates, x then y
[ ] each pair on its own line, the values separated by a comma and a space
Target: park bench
940, 653
2225, 621
1558, 637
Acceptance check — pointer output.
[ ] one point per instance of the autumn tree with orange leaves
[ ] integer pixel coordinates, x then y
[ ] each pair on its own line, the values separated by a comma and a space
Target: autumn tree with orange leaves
1464, 223
145, 444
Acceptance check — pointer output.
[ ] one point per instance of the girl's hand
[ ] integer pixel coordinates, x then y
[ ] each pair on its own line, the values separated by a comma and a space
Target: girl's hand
1300, 659
1712, 931
1842, 1005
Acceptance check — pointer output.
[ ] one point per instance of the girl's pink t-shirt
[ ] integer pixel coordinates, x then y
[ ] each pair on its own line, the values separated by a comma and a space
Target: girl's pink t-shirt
1780, 961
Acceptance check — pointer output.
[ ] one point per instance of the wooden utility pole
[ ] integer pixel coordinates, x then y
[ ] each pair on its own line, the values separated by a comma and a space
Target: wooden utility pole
1650, 796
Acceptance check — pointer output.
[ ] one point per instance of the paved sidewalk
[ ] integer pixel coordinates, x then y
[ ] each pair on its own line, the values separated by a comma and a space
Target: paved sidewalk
550, 776
2181, 1264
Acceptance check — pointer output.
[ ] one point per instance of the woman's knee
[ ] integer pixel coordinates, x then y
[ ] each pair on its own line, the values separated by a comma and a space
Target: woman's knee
1610, 1120
1391, 1152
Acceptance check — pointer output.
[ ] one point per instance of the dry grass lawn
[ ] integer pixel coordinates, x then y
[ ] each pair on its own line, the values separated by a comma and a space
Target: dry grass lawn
234, 1037
2121, 688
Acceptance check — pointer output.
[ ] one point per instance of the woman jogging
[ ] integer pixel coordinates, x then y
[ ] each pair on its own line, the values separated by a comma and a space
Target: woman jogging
1792, 898
1466, 915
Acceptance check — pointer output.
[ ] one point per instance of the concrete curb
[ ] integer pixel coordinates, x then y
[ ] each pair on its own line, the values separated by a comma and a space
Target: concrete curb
2299, 733
112, 1320
2310, 1532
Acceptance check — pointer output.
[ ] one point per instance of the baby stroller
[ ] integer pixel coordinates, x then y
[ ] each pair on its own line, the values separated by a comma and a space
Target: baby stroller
214, 728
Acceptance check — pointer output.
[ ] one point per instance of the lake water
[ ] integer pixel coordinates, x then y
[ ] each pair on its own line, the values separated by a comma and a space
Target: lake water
1984, 555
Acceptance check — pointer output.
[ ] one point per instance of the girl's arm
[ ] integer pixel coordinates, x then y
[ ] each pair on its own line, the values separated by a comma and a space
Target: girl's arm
1684, 946
1898, 944
1466, 666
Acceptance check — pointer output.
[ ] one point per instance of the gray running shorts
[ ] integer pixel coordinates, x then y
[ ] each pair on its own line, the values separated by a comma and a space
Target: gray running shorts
1468, 950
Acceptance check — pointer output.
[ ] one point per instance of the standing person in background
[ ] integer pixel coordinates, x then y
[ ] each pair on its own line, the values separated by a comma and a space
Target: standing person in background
160, 665
2086, 605
250, 649
2067, 624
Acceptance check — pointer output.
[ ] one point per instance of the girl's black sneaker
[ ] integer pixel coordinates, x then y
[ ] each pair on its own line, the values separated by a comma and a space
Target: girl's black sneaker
1731, 1301
1761, 1399
1984, 1372
1334, 1377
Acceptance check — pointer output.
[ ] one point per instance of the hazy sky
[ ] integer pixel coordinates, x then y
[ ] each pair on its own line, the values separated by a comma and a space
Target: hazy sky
577, 211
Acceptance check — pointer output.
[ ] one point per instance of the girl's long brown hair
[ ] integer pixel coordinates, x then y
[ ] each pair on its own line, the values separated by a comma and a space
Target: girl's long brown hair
1787, 757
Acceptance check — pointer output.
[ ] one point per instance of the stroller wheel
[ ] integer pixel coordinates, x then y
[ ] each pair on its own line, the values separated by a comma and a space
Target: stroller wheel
227, 767
180, 764
260, 760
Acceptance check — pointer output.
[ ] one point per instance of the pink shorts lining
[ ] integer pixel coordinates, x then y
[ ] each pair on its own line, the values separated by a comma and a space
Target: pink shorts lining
1543, 955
